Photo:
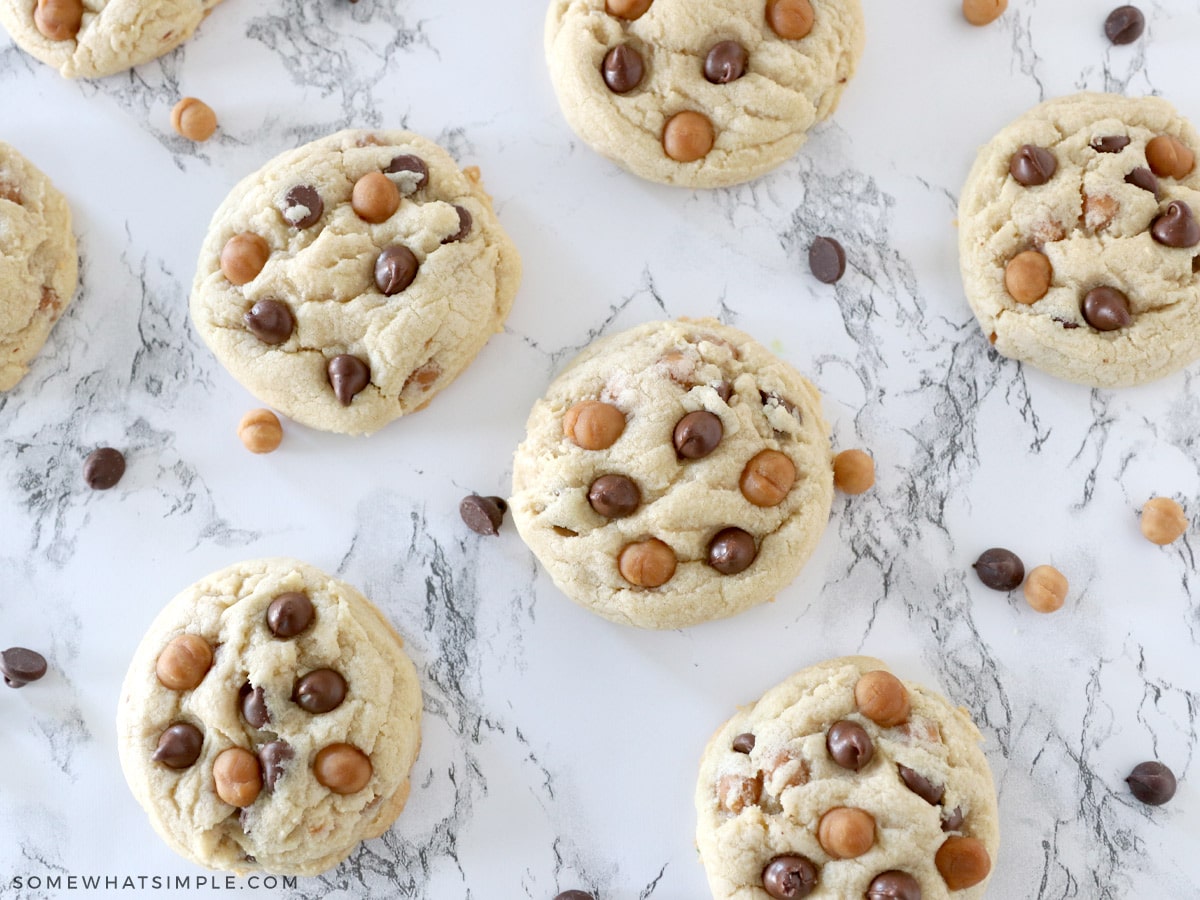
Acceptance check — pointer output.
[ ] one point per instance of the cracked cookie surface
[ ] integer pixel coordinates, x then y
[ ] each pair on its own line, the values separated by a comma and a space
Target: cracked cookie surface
674, 473
1078, 244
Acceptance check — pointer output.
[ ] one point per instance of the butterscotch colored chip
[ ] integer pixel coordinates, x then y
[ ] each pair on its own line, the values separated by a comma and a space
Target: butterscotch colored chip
194, 119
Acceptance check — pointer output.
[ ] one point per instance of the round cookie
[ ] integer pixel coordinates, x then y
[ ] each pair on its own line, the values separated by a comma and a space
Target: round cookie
93, 38
1078, 241
266, 695
38, 262
674, 473
348, 281
700, 95
844, 779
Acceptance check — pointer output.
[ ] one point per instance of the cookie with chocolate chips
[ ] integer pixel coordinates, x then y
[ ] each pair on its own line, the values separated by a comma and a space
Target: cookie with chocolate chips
845, 781
1079, 241
674, 473
265, 696
348, 281
38, 262
700, 95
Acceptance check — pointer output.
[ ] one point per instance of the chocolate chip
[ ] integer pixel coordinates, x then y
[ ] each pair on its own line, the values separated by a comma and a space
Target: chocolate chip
302, 206
1032, 165
254, 705
574, 895
614, 496
622, 69
103, 468
464, 226
743, 743
179, 746
289, 614
725, 62
894, 885
348, 376
952, 821
827, 260
1000, 569
1195, 264
849, 745
271, 321
731, 550
483, 515
1124, 25
1106, 309
1111, 144
789, 877
921, 786
1177, 227
395, 269
21, 666
272, 757
697, 434
413, 171
320, 691
1143, 178
1152, 783
724, 390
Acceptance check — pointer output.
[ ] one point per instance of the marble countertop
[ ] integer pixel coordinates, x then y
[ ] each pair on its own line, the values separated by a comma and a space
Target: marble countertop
560, 750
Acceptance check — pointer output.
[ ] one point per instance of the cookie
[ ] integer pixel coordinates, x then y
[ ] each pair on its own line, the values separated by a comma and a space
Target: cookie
674, 473
1078, 240
844, 781
700, 95
348, 281
269, 720
102, 36
39, 268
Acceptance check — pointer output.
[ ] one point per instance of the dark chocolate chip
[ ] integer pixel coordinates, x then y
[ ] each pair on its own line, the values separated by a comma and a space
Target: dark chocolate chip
827, 260
614, 496
743, 743
1195, 264
1143, 178
271, 321
395, 269
289, 614
772, 397
894, 885
464, 226
1177, 227
1106, 309
348, 376
483, 515
272, 756
320, 691
622, 69
103, 468
254, 705
1111, 144
179, 746
1152, 783
697, 434
849, 745
1000, 569
406, 162
921, 786
725, 62
731, 550
953, 820
1032, 165
1124, 25
724, 390
789, 877
302, 206
574, 895
21, 666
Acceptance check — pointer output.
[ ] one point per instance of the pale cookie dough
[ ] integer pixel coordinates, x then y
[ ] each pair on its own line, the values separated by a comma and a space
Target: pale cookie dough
772, 772
300, 249
93, 38
263, 648
38, 262
1089, 226
633, 483
770, 91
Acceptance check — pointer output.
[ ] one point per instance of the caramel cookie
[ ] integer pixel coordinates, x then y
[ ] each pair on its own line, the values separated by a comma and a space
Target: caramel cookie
348, 281
700, 95
845, 781
1079, 242
38, 262
269, 720
674, 473
91, 38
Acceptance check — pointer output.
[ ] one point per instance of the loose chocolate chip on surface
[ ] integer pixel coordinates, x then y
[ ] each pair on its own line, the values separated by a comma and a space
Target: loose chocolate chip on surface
574, 895
289, 614
743, 743
953, 820
21, 666
272, 757
921, 786
827, 260
1143, 178
302, 206
1032, 166
697, 434
1000, 569
408, 165
320, 691
725, 62
395, 269
483, 515
348, 376
789, 877
1177, 227
849, 745
731, 551
1124, 25
1106, 309
1152, 783
464, 226
103, 468
622, 69
894, 885
614, 496
179, 746
254, 705
1110, 144
271, 321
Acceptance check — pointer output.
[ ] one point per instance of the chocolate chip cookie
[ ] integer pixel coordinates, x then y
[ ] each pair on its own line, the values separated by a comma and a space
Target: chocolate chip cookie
99, 37
39, 267
700, 95
845, 781
1079, 243
674, 473
269, 720
347, 282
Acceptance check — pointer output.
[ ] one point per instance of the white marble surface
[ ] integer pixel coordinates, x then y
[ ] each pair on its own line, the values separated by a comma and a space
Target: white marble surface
560, 750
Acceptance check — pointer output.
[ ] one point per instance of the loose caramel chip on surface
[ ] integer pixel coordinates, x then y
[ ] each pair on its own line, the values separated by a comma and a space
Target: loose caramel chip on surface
194, 119
1163, 521
260, 431
1046, 589
853, 471
983, 12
